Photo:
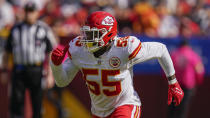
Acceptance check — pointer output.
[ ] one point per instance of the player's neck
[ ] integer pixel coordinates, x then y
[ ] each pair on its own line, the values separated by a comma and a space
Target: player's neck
101, 51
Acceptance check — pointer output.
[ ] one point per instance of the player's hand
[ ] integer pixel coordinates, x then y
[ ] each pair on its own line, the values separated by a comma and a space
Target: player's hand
176, 92
58, 55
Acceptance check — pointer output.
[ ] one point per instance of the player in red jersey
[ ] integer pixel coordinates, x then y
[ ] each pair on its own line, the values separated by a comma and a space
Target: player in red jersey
106, 62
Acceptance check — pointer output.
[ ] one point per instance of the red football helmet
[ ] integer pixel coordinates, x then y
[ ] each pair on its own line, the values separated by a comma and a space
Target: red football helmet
100, 29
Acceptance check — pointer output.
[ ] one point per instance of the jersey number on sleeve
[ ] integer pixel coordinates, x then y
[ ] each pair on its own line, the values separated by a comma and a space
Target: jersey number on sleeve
94, 87
122, 42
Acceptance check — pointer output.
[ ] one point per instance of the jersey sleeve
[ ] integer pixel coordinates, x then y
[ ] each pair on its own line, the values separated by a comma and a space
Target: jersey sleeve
145, 51
50, 38
64, 73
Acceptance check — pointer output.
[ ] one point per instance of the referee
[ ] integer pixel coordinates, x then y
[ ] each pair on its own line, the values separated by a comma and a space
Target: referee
29, 43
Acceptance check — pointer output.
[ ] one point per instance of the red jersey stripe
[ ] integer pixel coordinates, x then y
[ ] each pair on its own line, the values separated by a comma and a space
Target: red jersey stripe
135, 52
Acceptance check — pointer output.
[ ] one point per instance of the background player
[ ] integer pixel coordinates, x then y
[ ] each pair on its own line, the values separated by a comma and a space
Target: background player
190, 72
106, 62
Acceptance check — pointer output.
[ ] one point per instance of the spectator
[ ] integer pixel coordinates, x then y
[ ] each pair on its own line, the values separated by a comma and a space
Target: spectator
21, 3
28, 43
6, 21
189, 70
124, 16
51, 12
6, 14
168, 24
188, 28
148, 20
71, 25
171, 5
205, 20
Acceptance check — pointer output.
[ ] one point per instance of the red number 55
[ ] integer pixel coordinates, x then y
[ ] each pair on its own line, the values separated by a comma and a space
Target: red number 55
94, 87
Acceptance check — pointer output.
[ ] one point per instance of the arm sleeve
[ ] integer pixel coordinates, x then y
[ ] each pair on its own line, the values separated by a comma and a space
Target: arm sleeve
64, 73
50, 40
155, 50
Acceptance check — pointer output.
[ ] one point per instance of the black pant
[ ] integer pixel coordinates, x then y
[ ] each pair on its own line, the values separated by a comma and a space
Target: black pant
26, 77
181, 110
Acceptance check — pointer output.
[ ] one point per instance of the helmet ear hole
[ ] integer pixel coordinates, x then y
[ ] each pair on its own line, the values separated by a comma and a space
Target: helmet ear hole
103, 30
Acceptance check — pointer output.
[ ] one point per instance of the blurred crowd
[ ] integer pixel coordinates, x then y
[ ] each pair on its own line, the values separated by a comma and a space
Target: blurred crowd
155, 18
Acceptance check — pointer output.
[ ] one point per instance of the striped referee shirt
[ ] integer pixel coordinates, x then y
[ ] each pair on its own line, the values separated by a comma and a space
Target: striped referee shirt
30, 43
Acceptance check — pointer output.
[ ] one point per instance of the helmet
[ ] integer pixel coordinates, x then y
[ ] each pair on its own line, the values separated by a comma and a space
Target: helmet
100, 29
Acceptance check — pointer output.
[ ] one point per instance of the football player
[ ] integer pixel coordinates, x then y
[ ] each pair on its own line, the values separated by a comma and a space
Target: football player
106, 61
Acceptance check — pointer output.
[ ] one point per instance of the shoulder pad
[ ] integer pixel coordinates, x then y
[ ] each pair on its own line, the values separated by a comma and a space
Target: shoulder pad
75, 42
75, 45
126, 41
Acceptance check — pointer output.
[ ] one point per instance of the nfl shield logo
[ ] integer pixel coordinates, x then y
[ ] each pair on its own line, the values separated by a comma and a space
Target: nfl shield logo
114, 62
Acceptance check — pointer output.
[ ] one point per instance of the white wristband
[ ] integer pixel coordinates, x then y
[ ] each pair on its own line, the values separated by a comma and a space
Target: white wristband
173, 81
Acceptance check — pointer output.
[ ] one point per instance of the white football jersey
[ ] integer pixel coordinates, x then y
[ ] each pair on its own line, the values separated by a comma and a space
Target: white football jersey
109, 78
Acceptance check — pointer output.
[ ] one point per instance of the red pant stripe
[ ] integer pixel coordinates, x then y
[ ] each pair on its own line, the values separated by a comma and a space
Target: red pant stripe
137, 111
139, 114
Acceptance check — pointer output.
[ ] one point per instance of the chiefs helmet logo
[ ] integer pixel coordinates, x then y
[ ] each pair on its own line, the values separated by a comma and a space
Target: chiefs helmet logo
114, 62
108, 21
